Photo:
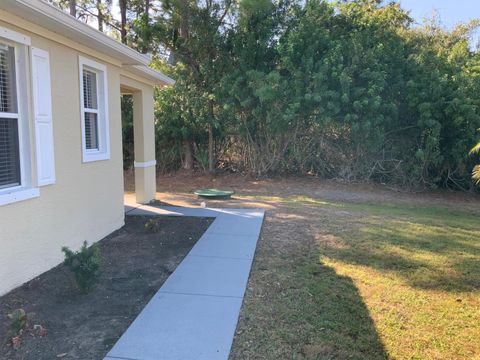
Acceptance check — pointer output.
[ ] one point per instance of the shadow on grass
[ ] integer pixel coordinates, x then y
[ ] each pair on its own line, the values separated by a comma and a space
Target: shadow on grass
433, 248
299, 308
422, 252
343, 326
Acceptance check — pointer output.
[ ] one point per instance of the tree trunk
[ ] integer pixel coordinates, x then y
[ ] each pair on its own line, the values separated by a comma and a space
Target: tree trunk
211, 155
100, 15
123, 15
188, 155
72, 4
147, 7
184, 11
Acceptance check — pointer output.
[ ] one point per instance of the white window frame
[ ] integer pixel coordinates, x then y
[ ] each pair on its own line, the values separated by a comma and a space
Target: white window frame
25, 190
103, 133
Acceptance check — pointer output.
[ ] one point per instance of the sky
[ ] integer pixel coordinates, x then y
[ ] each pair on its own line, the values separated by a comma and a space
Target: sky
451, 11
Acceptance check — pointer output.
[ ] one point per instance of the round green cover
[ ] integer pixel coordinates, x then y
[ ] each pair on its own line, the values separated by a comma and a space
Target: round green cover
213, 193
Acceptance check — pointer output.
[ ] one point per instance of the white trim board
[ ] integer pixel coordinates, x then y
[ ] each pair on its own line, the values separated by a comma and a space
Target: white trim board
19, 195
15, 36
146, 164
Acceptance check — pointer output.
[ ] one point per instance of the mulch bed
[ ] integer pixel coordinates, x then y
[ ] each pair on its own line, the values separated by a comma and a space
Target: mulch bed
135, 263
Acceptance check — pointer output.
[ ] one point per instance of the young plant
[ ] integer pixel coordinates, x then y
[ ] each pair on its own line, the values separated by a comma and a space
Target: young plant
152, 226
19, 321
18, 325
85, 265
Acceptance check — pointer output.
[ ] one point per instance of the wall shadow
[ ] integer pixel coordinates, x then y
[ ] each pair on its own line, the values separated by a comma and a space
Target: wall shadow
425, 255
344, 328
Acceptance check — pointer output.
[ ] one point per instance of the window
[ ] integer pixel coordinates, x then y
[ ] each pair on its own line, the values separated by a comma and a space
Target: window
90, 103
15, 174
93, 92
9, 125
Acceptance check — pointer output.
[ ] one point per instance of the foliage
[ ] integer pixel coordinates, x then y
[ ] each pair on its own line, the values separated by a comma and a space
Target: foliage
89, 10
153, 225
127, 131
85, 265
476, 168
348, 89
192, 32
18, 321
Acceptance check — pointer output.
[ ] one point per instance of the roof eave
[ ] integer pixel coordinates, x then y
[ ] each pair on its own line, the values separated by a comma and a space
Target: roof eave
46, 15
155, 77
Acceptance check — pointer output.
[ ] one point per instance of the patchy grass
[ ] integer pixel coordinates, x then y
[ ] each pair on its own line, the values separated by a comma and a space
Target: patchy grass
358, 280
418, 273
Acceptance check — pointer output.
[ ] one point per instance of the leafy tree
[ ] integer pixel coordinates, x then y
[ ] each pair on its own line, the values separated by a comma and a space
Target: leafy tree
346, 89
86, 10
192, 32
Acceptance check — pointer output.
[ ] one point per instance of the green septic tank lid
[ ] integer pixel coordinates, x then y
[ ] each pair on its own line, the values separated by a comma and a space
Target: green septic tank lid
214, 193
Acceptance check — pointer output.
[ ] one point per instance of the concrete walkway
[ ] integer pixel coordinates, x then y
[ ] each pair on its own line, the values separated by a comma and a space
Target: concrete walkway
194, 314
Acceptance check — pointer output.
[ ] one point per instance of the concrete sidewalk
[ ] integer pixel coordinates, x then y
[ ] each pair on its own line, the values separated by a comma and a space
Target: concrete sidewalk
194, 314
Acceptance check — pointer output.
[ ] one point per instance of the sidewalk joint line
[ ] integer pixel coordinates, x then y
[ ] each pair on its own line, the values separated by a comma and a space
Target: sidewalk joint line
206, 233
194, 294
221, 257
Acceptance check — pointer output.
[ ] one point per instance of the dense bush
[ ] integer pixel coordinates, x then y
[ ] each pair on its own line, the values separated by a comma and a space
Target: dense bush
347, 90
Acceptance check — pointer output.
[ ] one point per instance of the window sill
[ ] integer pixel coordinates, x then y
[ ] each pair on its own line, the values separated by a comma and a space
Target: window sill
95, 156
18, 195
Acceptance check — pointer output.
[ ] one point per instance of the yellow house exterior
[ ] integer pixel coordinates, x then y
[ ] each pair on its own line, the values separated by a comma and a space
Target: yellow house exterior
62, 177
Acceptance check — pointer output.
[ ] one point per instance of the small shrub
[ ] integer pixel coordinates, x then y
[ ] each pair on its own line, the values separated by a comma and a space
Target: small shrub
152, 226
19, 321
85, 265
18, 325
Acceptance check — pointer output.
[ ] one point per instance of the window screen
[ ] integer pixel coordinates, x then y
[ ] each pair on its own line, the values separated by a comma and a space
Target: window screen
91, 130
8, 101
9, 154
9, 143
90, 103
90, 90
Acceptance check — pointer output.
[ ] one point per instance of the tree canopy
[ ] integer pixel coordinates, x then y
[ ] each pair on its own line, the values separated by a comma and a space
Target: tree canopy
348, 90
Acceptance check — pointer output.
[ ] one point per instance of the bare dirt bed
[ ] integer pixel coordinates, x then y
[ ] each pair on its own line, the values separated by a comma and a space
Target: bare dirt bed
135, 263
184, 182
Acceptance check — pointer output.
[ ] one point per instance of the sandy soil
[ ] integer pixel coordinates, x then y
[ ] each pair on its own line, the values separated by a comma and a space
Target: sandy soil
178, 189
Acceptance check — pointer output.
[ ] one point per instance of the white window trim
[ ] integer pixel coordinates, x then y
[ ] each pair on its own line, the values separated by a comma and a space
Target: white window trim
19, 195
15, 36
103, 153
25, 190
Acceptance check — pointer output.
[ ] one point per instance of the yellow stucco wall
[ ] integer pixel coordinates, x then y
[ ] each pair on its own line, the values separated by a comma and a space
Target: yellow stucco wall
86, 202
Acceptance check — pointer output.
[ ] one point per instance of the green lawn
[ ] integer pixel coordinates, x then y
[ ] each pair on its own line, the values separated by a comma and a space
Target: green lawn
340, 280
